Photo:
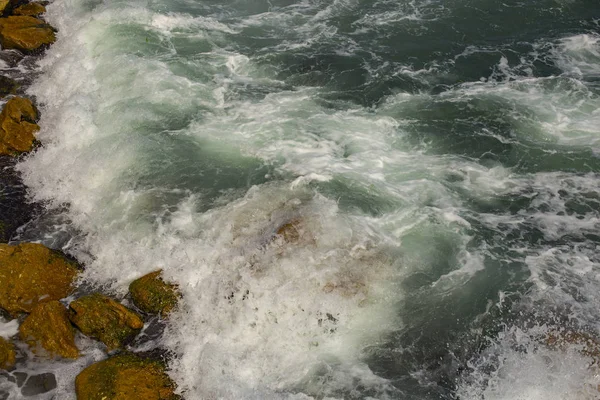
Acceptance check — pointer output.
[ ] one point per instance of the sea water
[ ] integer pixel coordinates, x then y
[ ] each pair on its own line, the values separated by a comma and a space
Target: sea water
439, 160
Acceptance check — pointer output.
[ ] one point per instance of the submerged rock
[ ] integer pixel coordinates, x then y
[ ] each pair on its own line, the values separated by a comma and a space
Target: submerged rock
25, 33
31, 273
17, 126
48, 327
7, 354
586, 344
101, 317
153, 295
7, 86
31, 9
125, 377
290, 231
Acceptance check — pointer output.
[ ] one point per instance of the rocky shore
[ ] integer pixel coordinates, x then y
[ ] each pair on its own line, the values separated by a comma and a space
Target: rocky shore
39, 286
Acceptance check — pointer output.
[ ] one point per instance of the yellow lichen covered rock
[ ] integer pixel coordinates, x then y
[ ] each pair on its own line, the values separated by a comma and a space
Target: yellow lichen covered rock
153, 295
32, 9
6, 6
48, 327
7, 354
25, 33
125, 377
31, 273
103, 318
17, 126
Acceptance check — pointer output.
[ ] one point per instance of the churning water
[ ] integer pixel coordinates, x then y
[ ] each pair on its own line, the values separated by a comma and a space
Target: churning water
439, 158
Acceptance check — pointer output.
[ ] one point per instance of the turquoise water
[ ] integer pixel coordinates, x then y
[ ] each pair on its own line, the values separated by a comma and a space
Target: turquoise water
441, 160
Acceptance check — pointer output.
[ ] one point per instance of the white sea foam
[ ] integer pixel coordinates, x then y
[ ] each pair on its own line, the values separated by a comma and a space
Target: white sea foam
261, 317
524, 368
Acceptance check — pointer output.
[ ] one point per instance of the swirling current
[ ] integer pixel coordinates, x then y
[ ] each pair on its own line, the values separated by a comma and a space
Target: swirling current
439, 160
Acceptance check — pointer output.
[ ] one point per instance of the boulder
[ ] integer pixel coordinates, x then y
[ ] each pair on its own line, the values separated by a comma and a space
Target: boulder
7, 354
7, 86
101, 317
6, 6
32, 9
48, 327
153, 295
126, 376
25, 33
31, 273
17, 126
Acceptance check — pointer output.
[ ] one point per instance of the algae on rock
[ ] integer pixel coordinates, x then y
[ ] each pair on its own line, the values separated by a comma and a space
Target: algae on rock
48, 326
7, 354
17, 126
25, 33
31, 9
153, 295
101, 317
31, 273
126, 376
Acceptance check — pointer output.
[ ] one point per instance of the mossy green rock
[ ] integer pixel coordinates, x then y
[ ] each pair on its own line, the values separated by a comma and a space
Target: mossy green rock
101, 317
7, 354
125, 377
17, 126
48, 327
153, 295
25, 33
31, 273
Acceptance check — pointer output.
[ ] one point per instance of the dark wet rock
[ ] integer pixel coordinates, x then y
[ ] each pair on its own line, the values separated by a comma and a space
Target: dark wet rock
12, 58
17, 126
31, 273
25, 33
38, 384
15, 210
48, 327
7, 86
153, 295
126, 376
7, 354
31, 9
101, 317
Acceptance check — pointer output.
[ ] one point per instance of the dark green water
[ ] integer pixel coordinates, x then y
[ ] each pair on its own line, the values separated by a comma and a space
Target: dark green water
442, 158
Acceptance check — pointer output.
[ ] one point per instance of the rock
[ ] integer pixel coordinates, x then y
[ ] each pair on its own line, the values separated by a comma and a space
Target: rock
17, 126
6, 6
153, 295
7, 354
125, 377
290, 231
586, 344
7, 86
101, 317
48, 326
38, 384
31, 273
32, 9
15, 211
25, 33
